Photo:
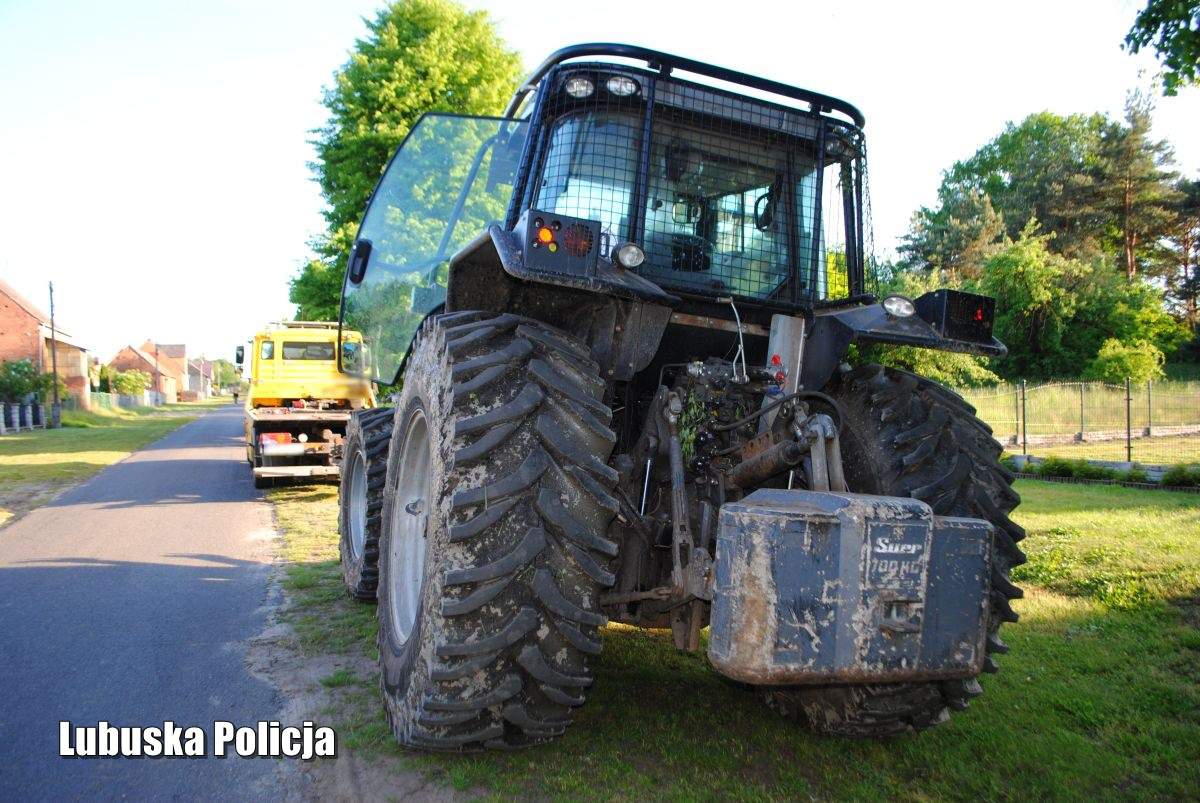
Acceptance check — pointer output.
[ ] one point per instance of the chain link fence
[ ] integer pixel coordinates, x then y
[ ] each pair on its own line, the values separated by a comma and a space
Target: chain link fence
1152, 423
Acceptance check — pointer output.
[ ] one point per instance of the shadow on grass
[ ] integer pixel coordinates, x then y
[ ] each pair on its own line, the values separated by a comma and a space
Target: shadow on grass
1093, 701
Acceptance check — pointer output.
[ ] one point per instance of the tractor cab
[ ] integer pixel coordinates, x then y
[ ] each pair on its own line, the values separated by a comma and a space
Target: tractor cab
622, 313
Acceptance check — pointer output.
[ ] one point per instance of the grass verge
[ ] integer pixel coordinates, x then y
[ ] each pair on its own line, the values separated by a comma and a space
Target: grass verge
1099, 697
1154, 451
37, 465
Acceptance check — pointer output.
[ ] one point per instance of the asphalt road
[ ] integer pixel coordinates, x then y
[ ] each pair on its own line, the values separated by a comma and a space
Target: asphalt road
130, 599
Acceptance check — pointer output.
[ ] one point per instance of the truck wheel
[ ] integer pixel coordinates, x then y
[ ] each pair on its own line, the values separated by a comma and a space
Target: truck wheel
493, 548
908, 436
360, 498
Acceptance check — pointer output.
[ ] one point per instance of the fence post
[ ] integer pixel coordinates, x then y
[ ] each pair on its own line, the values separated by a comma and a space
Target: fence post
1016, 417
1149, 408
1024, 428
1082, 385
1128, 422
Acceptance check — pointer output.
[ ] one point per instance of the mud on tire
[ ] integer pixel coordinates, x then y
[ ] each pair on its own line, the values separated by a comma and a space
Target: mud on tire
364, 469
514, 549
908, 436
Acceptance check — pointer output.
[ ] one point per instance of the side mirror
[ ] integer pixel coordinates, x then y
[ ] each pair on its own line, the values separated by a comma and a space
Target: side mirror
239, 355
358, 262
350, 357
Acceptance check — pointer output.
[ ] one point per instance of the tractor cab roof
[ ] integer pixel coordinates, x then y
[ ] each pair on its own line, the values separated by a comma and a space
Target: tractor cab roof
666, 64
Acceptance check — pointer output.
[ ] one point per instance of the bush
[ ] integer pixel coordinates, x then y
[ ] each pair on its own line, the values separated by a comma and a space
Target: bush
1079, 469
1140, 361
1183, 475
1135, 474
19, 378
130, 383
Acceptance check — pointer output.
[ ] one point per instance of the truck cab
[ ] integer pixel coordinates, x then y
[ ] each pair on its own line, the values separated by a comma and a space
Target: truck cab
299, 401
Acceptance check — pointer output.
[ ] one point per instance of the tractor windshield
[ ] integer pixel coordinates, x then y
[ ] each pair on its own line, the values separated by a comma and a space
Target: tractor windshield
725, 210
451, 177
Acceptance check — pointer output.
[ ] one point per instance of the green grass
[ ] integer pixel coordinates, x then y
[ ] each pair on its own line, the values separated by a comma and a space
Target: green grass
1122, 546
1098, 699
1156, 451
37, 465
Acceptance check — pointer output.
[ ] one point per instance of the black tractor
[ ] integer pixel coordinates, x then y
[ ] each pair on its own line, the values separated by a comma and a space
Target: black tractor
623, 317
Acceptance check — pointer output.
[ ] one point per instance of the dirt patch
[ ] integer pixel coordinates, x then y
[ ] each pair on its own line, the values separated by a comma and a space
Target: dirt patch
303, 681
1190, 608
16, 501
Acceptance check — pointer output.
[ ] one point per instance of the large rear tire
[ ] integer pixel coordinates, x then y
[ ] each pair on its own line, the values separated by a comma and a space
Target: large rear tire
360, 498
905, 435
493, 548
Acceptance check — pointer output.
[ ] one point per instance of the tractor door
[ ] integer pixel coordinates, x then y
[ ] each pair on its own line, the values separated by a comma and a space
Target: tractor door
449, 179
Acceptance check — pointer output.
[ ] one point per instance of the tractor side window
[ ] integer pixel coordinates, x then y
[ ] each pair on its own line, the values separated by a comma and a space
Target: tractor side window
827, 273
267, 350
450, 178
590, 167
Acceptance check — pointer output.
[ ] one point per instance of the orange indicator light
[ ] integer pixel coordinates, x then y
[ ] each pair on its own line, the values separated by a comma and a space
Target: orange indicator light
544, 235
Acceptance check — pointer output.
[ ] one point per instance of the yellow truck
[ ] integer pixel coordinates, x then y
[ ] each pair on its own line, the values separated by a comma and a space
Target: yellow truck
299, 402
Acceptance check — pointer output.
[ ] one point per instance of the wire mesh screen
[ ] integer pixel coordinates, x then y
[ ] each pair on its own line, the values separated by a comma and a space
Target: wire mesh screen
1151, 423
725, 194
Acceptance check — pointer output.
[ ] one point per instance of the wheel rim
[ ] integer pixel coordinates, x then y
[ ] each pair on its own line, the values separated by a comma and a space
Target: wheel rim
358, 505
410, 513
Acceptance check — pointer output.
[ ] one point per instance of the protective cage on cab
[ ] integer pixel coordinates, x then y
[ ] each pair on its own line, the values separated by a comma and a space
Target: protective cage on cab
620, 318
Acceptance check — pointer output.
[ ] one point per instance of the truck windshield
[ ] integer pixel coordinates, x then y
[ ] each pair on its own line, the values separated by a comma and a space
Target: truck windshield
308, 351
725, 212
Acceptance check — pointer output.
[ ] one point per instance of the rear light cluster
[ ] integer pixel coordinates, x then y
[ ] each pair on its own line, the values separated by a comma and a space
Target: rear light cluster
576, 240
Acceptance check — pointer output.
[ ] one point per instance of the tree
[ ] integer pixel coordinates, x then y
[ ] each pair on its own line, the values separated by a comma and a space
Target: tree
418, 56
1136, 184
954, 239
1035, 303
1174, 28
224, 373
1116, 362
1043, 168
1183, 254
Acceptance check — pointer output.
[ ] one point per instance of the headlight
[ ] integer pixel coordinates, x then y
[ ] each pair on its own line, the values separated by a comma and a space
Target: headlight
579, 87
898, 306
622, 86
629, 255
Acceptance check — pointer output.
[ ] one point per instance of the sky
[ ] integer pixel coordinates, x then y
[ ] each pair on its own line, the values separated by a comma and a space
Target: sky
153, 153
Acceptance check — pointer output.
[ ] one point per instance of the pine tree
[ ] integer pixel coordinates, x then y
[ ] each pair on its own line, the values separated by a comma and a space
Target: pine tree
1135, 180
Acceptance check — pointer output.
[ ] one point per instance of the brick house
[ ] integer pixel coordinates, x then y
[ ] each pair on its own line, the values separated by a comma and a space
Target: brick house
200, 373
163, 376
172, 361
25, 335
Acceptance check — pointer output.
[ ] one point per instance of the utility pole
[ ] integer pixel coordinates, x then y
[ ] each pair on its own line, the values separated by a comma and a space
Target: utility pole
56, 404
